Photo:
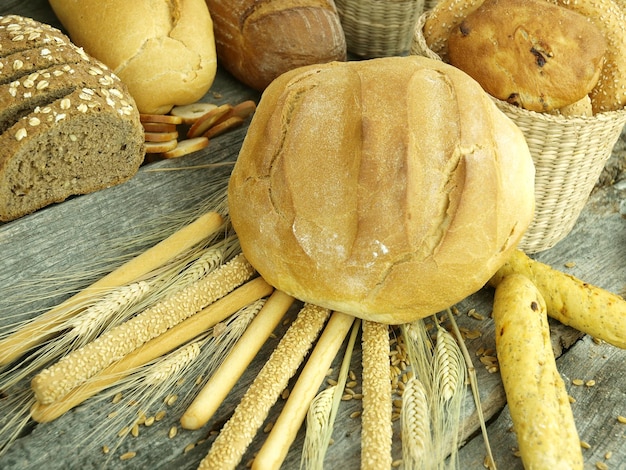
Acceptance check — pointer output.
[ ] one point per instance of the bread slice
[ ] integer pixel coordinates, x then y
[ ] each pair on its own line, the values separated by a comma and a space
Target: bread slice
68, 125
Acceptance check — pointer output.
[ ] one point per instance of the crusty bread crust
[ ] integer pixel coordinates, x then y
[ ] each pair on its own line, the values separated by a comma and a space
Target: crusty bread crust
259, 40
539, 62
371, 188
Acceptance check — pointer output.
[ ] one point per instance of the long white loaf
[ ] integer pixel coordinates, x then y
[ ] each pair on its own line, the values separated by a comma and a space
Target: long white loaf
163, 50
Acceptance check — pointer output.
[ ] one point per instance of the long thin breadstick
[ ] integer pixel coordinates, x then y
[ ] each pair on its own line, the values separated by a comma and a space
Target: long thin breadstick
174, 337
284, 430
536, 395
377, 431
590, 309
52, 383
230, 370
240, 429
38, 330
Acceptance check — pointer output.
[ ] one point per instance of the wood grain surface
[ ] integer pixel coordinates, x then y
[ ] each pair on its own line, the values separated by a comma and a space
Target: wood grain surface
79, 233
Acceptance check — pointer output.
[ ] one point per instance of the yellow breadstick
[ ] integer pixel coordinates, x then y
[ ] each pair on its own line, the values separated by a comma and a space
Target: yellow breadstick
590, 309
536, 395
225, 377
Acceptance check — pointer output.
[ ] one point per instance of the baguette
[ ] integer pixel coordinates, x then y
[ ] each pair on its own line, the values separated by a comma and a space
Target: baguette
258, 40
538, 401
163, 50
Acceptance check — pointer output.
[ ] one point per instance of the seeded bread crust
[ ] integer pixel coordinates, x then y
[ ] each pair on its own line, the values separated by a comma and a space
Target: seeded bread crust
68, 125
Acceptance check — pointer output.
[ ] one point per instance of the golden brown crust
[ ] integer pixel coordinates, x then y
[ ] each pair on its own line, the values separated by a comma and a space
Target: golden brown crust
610, 17
345, 195
259, 40
531, 53
164, 51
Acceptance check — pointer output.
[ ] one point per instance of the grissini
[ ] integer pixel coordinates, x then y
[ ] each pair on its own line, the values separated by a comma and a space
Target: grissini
538, 401
163, 50
257, 41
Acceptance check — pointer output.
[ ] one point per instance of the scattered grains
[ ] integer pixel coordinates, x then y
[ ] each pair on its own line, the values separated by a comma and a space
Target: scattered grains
172, 432
570, 264
590, 383
117, 398
621, 419
268, 427
608, 455
355, 414
160, 415
123, 432
135, 430
128, 455
585, 445
105, 449
578, 382
189, 447
601, 466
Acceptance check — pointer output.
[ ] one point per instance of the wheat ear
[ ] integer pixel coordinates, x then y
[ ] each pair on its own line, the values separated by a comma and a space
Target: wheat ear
284, 430
417, 440
225, 377
322, 413
240, 429
171, 339
473, 380
377, 431
38, 330
54, 382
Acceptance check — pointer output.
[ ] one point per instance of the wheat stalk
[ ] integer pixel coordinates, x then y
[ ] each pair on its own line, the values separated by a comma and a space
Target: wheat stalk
318, 422
240, 429
417, 441
376, 432
54, 382
318, 437
473, 380
447, 365
37, 331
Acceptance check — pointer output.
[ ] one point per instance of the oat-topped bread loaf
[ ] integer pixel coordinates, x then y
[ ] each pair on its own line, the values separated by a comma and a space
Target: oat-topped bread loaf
67, 124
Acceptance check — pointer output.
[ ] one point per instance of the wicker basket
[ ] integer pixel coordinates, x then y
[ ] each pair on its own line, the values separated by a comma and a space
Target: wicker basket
569, 155
379, 28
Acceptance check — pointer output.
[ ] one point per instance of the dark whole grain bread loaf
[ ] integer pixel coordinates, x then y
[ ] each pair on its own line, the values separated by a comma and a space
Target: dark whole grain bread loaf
68, 125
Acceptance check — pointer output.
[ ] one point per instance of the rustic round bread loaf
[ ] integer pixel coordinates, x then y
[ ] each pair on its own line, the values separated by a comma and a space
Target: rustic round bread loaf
257, 40
531, 53
389, 189
68, 125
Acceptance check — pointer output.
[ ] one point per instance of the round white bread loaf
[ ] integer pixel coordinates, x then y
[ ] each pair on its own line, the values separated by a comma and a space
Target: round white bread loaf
388, 189
164, 51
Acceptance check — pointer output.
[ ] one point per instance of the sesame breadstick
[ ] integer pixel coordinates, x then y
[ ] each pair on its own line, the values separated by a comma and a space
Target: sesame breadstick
238, 432
377, 432
38, 330
52, 383
590, 309
170, 340
284, 430
230, 370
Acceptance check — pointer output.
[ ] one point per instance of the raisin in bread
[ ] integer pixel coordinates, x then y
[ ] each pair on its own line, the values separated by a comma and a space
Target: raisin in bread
68, 125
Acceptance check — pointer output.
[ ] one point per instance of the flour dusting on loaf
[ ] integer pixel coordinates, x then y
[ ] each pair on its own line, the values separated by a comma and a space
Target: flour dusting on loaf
68, 125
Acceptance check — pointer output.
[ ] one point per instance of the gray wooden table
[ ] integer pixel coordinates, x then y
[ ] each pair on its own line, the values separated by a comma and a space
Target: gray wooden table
73, 235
